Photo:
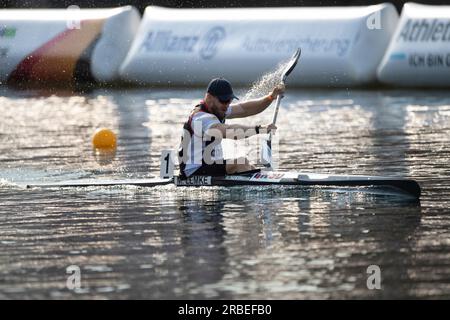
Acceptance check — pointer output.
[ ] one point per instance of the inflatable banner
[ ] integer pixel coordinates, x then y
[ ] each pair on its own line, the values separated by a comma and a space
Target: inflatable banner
341, 46
64, 45
419, 53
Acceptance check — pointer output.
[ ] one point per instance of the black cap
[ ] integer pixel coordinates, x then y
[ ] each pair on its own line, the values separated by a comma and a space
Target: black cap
221, 89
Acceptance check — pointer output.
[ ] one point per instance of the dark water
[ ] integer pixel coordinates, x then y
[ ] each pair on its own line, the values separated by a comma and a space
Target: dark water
232, 243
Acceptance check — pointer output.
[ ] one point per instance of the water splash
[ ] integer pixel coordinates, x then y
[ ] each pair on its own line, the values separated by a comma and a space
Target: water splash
266, 83
8, 184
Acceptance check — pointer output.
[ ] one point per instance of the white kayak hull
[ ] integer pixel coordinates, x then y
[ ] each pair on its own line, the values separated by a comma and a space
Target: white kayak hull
289, 178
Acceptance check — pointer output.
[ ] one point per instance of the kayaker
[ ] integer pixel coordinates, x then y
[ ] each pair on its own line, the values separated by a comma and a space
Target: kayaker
200, 151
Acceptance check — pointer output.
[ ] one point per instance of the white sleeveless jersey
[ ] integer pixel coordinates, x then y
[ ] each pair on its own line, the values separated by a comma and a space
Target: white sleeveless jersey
202, 122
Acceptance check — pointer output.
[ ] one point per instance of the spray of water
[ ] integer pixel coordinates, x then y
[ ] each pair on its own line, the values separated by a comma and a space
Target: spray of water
247, 148
266, 83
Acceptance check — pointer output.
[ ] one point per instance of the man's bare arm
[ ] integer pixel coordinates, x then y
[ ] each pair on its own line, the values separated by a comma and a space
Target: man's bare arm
252, 107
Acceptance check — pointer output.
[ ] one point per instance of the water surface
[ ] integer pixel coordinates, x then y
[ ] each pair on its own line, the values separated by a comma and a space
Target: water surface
226, 243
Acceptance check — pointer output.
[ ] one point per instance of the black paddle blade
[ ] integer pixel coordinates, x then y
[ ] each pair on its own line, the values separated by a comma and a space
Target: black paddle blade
292, 63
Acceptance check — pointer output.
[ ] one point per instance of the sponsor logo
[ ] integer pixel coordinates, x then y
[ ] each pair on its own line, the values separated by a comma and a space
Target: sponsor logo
167, 41
267, 177
398, 56
335, 46
425, 30
194, 181
422, 60
170, 42
211, 41
7, 32
429, 60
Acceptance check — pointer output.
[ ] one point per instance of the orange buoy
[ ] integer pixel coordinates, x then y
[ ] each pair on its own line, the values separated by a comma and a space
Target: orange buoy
104, 139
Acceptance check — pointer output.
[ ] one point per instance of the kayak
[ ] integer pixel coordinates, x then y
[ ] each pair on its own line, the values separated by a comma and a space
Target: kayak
258, 178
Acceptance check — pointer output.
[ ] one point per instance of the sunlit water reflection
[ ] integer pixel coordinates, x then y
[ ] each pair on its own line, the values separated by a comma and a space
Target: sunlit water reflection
167, 242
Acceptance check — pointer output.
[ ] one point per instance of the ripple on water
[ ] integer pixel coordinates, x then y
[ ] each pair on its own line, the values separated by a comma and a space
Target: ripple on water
241, 242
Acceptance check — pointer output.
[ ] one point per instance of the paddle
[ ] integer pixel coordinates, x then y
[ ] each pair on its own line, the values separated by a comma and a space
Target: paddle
266, 153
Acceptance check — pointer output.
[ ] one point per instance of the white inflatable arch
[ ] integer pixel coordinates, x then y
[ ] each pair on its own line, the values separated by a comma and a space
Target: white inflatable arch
65, 45
419, 53
341, 46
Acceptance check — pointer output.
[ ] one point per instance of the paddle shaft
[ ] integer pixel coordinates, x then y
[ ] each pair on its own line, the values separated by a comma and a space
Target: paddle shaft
275, 114
267, 150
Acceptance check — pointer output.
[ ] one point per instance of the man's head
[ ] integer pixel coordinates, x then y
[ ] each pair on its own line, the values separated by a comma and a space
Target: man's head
219, 96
